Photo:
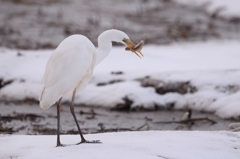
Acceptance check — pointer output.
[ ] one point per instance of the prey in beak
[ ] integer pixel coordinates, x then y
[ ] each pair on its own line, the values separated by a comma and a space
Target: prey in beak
134, 48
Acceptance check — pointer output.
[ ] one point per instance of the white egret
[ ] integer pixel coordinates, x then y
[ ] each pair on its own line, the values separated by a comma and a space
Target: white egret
70, 68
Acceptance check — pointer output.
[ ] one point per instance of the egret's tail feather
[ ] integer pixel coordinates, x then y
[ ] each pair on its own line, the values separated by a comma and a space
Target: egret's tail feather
48, 98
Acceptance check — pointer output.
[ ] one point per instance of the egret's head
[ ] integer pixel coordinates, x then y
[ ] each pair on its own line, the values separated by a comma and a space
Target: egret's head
120, 37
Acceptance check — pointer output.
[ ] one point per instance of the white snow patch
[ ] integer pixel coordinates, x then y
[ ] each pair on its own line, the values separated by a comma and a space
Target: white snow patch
140, 145
228, 106
113, 94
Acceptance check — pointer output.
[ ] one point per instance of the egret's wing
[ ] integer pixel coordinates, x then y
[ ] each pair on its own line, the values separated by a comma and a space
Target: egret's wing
68, 68
65, 69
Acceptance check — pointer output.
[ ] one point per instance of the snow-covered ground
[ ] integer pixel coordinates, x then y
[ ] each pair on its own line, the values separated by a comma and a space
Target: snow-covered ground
210, 73
228, 8
127, 145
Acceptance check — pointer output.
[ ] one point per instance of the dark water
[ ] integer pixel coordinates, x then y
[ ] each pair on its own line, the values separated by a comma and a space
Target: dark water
30, 119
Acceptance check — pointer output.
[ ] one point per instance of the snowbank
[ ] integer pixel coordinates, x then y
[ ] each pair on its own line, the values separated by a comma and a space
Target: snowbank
140, 145
201, 76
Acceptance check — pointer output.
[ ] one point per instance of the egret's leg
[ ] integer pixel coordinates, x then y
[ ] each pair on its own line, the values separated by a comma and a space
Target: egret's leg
72, 111
58, 122
83, 140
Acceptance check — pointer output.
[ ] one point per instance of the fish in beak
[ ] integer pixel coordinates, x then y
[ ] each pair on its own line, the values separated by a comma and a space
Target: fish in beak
134, 48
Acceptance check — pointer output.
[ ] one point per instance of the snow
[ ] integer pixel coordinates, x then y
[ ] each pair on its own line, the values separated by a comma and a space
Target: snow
230, 7
212, 68
141, 145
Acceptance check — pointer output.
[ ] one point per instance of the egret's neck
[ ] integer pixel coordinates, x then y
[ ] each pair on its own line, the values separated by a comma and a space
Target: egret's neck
104, 48
105, 43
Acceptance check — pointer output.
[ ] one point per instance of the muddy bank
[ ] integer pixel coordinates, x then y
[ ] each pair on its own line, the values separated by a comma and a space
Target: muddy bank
30, 119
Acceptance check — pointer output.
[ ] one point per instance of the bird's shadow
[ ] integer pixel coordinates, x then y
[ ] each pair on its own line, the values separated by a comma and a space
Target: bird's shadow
86, 142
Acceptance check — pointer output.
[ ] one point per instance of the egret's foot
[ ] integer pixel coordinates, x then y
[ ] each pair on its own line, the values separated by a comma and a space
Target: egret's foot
90, 142
61, 145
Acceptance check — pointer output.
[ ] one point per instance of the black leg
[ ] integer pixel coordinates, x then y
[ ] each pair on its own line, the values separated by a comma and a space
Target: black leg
72, 111
79, 130
58, 122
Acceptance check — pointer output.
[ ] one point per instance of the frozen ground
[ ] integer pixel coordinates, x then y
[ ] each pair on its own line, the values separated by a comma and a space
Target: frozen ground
200, 76
141, 145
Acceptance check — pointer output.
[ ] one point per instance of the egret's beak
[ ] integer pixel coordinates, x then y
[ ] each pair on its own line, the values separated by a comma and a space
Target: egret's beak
131, 47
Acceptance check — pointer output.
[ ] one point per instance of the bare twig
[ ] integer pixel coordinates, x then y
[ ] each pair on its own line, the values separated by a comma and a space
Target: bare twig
187, 121
144, 125
92, 112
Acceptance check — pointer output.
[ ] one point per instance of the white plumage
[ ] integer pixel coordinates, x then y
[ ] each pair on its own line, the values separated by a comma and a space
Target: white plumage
70, 66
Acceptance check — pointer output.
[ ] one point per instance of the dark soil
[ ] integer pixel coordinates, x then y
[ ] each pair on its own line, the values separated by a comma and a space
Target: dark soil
30, 119
33, 24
